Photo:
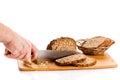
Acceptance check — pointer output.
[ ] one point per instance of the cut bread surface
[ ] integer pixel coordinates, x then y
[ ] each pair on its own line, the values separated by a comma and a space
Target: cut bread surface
86, 63
62, 43
71, 59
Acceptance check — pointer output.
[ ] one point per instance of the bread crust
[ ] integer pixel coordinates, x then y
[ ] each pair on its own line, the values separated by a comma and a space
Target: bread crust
62, 43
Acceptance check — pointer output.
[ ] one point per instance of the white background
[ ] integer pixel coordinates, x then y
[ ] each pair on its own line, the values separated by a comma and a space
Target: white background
43, 20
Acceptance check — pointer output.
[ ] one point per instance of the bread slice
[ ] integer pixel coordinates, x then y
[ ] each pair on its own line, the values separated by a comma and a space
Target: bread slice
62, 43
71, 59
95, 46
86, 63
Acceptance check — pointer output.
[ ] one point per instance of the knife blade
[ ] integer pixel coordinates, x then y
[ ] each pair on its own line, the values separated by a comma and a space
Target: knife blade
54, 54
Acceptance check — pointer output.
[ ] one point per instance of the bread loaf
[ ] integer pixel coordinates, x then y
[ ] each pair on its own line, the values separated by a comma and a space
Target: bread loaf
62, 43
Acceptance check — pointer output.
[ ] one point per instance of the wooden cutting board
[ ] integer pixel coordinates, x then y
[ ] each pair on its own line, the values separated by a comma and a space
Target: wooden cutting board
105, 61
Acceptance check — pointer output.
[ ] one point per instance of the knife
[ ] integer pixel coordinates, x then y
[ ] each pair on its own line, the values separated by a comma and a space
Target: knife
50, 54
54, 54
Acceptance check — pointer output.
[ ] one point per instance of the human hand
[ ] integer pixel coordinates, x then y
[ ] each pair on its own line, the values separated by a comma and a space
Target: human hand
21, 49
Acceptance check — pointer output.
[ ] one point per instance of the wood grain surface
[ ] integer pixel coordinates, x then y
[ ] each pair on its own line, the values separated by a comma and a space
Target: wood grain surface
105, 61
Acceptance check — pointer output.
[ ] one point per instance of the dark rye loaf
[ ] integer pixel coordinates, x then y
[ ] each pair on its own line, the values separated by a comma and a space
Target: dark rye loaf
62, 43
95, 46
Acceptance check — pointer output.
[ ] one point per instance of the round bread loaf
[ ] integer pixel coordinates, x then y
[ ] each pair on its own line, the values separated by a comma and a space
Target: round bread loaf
63, 43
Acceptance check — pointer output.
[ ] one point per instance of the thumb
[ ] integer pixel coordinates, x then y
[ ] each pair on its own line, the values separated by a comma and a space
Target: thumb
34, 53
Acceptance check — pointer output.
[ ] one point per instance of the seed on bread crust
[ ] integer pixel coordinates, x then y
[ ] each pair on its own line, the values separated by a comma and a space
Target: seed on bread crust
62, 43
71, 59
86, 63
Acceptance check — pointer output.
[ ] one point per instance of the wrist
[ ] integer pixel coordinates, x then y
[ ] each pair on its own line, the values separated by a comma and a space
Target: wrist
9, 38
6, 34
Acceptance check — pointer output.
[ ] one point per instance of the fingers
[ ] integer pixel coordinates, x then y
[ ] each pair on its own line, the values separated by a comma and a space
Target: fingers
27, 57
11, 55
20, 55
34, 51
25, 52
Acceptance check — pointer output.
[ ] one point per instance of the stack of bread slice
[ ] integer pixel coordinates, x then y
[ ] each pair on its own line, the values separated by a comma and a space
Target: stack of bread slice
77, 59
94, 46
